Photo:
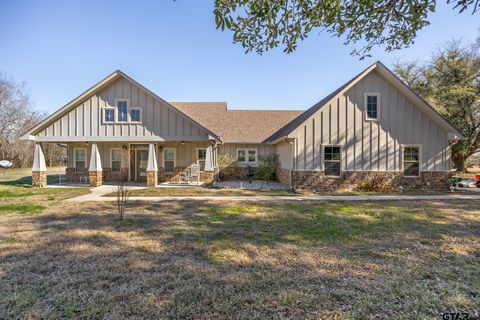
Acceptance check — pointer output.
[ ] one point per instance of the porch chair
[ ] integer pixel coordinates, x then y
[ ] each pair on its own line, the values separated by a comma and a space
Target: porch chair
195, 171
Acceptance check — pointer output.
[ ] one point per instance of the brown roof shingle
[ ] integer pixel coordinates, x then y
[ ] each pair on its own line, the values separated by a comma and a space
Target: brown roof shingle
237, 126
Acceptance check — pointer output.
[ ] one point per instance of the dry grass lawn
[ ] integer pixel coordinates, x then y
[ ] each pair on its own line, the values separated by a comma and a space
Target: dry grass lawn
213, 192
212, 260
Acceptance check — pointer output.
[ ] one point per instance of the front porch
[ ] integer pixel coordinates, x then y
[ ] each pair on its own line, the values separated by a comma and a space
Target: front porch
143, 163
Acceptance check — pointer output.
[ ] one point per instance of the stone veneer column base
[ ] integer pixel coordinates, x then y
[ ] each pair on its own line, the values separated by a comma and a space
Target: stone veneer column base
283, 176
152, 179
207, 178
39, 179
95, 178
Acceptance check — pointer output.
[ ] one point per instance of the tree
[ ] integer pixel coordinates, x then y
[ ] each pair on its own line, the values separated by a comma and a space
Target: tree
261, 25
16, 116
450, 82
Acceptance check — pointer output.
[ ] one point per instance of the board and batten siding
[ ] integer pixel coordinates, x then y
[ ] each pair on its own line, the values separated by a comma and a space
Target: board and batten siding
370, 145
159, 120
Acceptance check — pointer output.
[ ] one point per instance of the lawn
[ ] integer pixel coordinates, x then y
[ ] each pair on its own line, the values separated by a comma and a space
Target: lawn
19, 196
241, 260
213, 192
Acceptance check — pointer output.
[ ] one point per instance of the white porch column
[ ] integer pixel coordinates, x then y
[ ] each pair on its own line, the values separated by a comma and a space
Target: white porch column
209, 159
39, 169
95, 168
209, 170
152, 168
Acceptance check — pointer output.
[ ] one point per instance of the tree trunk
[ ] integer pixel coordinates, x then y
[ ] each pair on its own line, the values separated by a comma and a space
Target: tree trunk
459, 163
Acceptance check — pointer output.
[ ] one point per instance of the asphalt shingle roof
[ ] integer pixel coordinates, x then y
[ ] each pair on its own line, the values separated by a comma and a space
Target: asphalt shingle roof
237, 126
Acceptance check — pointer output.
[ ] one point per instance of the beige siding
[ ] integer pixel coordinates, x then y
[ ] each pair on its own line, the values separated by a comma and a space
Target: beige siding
370, 145
159, 121
231, 148
185, 154
285, 154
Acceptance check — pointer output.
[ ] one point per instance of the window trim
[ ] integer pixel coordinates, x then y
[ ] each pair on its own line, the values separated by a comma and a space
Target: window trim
104, 117
323, 159
201, 148
419, 146
174, 159
365, 106
75, 158
111, 158
116, 109
129, 116
246, 155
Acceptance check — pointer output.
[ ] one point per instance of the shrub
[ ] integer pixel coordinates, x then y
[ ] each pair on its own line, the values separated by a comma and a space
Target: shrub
228, 166
267, 168
377, 183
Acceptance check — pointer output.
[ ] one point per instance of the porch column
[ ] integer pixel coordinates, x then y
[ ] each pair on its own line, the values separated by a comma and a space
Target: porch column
152, 168
209, 171
39, 169
95, 168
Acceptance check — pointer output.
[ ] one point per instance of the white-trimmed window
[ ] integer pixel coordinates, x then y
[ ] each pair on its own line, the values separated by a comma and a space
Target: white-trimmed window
135, 115
109, 115
80, 159
247, 156
332, 160
122, 110
169, 159
372, 106
115, 159
201, 157
411, 161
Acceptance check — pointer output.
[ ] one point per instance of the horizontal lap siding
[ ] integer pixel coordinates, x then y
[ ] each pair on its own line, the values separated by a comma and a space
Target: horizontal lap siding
371, 145
231, 148
158, 119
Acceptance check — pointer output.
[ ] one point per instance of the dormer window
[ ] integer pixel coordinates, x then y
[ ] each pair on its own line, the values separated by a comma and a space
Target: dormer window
122, 110
109, 115
372, 102
135, 115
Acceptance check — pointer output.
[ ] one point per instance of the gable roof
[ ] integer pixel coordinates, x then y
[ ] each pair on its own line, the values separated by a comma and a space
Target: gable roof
93, 90
390, 76
237, 126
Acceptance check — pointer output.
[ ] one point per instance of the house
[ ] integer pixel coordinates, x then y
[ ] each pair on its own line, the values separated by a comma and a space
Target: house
372, 126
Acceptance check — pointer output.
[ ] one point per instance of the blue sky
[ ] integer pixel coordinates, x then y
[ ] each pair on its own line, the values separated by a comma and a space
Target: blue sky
61, 48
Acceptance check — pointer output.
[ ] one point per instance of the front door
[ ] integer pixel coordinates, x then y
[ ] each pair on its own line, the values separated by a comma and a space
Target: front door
138, 162
142, 160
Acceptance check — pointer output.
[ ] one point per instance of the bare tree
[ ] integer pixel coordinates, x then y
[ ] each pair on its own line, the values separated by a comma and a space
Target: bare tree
122, 193
16, 116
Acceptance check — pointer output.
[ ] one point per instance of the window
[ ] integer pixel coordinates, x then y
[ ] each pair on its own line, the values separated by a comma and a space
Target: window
108, 115
122, 107
371, 102
135, 115
80, 159
331, 156
116, 159
411, 161
247, 155
201, 156
169, 159
202, 153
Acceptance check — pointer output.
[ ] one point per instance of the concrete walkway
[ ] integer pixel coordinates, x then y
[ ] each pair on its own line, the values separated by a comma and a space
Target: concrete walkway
98, 192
